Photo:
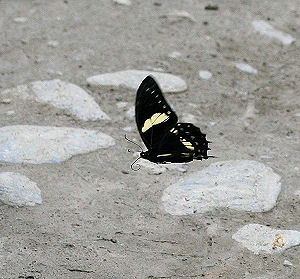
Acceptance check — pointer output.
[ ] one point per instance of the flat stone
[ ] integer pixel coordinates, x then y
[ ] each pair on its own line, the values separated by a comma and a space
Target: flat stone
122, 104
266, 29
53, 43
246, 68
205, 74
178, 15
18, 190
43, 144
174, 54
20, 19
133, 78
63, 95
122, 2
262, 239
240, 185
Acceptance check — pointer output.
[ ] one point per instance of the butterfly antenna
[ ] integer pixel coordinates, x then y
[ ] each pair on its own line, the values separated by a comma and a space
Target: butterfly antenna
133, 143
138, 166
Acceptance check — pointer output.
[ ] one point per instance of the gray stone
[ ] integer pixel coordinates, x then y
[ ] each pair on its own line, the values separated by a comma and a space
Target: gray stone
265, 28
122, 2
262, 239
63, 95
42, 144
18, 190
130, 113
133, 78
205, 74
178, 15
246, 68
239, 185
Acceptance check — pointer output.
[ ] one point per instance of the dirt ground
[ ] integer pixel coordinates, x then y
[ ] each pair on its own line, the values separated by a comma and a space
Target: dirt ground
99, 219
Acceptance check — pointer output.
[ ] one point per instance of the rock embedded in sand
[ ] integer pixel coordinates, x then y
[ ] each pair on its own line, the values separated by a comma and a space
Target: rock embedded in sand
246, 68
265, 28
44, 144
60, 94
239, 185
179, 15
123, 2
205, 74
133, 78
262, 239
18, 190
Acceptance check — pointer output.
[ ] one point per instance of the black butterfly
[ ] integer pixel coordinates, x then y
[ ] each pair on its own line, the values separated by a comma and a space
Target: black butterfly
166, 139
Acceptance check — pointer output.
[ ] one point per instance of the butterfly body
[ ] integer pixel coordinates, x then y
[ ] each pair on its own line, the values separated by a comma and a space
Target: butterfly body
167, 140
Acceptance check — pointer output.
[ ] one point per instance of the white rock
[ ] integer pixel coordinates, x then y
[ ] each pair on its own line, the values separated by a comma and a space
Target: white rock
297, 114
287, 263
123, 2
128, 129
53, 43
239, 185
63, 95
40, 144
10, 112
130, 113
261, 239
205, 74
175, 54
18, 190
20, 19
5, 101
265, 28
179, 15
122, 104
246, 68
133, 78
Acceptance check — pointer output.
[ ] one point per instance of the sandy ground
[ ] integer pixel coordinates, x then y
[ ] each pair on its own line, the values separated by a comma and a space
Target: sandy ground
98, 218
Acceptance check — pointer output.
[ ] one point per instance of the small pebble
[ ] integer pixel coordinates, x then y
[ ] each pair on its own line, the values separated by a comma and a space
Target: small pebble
53, 43
205, 74
130, 113
212, 7
10, 112
128, 129
5, 101
175, 54
122, 2
287, 263
20, 19
246, 68
122, 104
266, 29
179, 15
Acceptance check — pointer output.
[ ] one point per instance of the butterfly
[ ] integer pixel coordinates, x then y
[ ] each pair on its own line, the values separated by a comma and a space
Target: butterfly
167, 140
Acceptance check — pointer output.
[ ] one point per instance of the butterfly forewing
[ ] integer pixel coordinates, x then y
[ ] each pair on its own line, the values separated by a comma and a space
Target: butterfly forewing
154, 116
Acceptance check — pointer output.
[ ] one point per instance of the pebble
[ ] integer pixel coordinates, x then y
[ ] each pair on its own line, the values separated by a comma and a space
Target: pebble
5, 101
133, 78
265, 28
44, 144
287, 263
179, 15
175, 54
60, 94
297, 114
122, 104
17, 190
123, 2
262, 239
53, 43
128, 129
246, 68
20, 19
240, 185
10, 112
205, 74
130, 113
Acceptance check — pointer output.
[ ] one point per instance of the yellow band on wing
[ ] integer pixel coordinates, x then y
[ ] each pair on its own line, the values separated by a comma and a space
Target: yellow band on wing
155, 119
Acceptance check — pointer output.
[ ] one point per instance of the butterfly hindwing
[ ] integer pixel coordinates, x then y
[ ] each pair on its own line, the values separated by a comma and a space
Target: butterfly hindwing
183, 143
154, 116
